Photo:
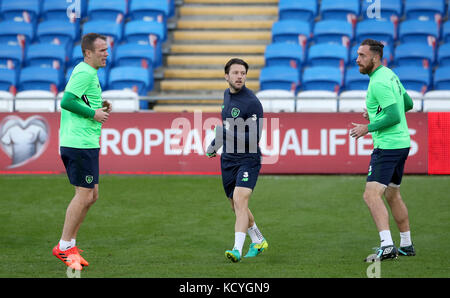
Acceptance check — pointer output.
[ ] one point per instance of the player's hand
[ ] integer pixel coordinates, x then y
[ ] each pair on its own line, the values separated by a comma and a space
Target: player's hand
365, 114
210, 152
101, 115
106, 104
359, 130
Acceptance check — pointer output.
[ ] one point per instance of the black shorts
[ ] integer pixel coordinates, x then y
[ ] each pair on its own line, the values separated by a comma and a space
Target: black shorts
242, 173
387, 165
81, 166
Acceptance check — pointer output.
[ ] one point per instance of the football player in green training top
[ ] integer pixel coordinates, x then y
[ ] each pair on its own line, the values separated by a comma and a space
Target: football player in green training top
82, 115
386, 103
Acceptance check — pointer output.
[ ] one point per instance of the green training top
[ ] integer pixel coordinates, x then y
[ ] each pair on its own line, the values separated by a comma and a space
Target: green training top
385, 89
75, 130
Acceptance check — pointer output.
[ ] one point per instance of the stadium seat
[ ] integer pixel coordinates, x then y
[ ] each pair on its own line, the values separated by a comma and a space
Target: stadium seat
442, 78
352, 101
322, 54
414, 78
322, 78
46, 55
391, 10
144, 32
20, 33
133, 54
57, 10
414, 54
40, 78
285, 54
20, 10
151, 11
333, 31
381, 30
111, 29
11, 56
58, 31
292, 31
317, 101
430, 10
419, 31
446, 32
276, 101
354, 80
8, 80
340, 9
134, 78
387, 60
436, 101
443, 55
122, 100
305, 10
6, 102
35, 101
279, 77
111, 10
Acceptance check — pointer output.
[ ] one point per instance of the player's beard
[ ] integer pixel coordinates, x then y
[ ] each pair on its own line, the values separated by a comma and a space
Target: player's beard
234, 87
367, 69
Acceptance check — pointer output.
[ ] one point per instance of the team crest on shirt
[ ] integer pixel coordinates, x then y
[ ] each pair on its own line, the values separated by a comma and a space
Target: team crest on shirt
235, 112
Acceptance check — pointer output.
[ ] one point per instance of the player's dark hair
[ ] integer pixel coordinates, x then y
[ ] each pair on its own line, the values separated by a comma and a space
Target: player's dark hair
235, 61
375, 46
87, 42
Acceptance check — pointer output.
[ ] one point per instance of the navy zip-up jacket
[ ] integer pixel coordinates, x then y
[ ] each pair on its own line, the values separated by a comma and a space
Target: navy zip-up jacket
242, 117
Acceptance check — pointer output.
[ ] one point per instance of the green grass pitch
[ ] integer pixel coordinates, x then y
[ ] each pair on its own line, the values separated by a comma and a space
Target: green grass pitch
180, 226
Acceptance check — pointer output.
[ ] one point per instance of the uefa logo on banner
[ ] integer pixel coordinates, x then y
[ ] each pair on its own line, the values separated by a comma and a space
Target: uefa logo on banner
23, 140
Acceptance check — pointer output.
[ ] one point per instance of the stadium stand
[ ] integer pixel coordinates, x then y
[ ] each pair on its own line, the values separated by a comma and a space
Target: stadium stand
317, 101
6, 102
43, 36
35, 101
276, 101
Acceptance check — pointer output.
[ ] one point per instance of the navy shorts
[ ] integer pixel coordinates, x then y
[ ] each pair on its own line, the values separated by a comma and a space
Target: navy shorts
242, 173
81, 166
387, 165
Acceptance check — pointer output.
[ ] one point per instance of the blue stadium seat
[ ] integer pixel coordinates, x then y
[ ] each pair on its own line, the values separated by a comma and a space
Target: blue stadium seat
431, 10
280, 78
387, 60
333, 31
57, 10
354, 80
446, 31
8, 79
322, 78
305, 10
58, 31
414, 54
322, 54
340, 9
133, 54
114, 10
381, 30
40, 78
284, 54
414, 77
419, 31
442, 78
292, 31
443, 55
11, 56
46, 55
130, 77
153, 11
144, 32
388, 10
20, 10
108, 28
20, 33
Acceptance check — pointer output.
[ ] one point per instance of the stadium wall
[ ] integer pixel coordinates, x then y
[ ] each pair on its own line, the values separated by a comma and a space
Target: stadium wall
174, 143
